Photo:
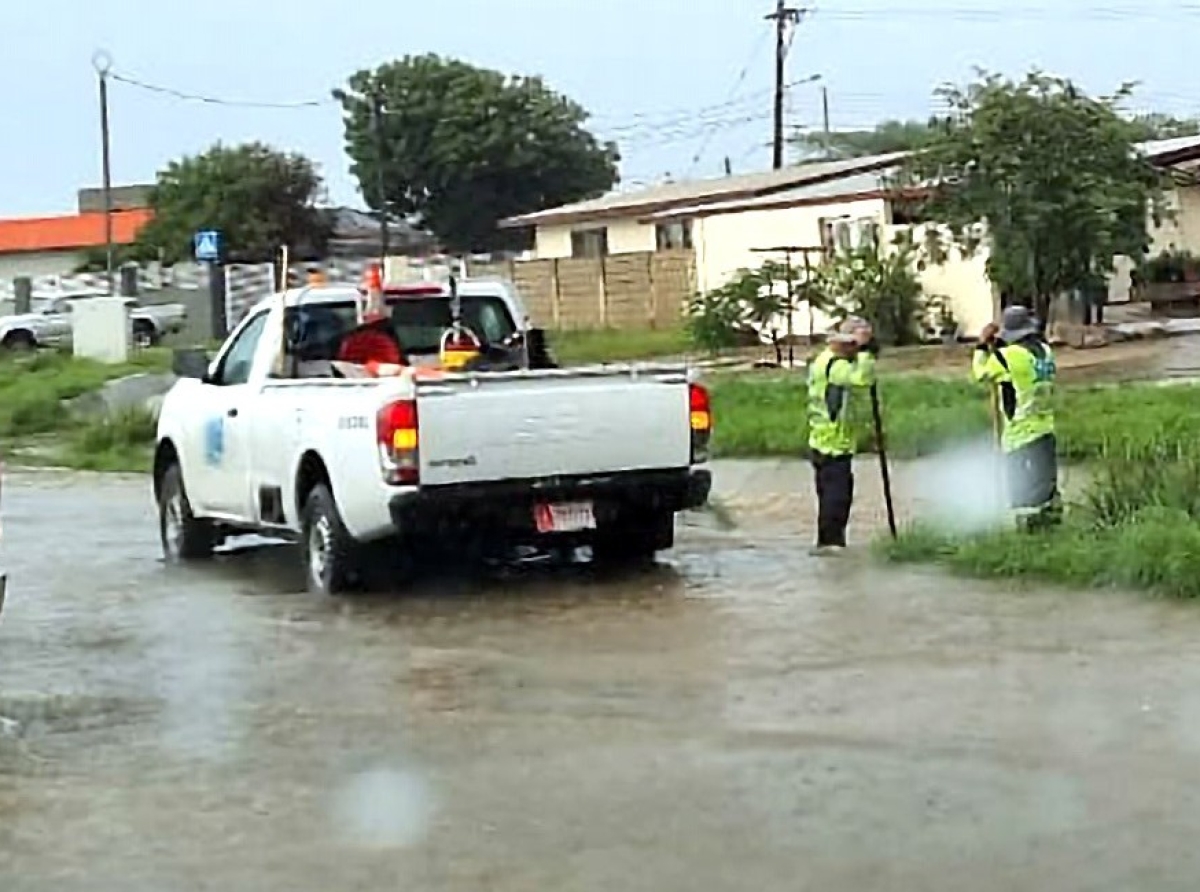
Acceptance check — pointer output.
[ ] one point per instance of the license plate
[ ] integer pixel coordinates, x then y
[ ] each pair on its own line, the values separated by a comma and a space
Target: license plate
564, 517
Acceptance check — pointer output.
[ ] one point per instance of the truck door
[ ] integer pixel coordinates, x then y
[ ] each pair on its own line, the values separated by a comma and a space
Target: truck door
220, 438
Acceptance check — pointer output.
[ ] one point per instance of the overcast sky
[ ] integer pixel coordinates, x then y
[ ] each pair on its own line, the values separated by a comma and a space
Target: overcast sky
662, 76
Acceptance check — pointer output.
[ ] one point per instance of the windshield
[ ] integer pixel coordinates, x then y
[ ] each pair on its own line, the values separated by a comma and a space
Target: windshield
418, 322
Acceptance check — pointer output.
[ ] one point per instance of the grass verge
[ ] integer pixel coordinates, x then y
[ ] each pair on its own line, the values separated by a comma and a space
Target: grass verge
37, 427
33, 389
613, 345
762, 414
1137, 526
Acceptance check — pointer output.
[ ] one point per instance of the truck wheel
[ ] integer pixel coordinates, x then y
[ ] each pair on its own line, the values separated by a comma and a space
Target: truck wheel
634, 538
184, 537
19, 341
144, 334
330, 552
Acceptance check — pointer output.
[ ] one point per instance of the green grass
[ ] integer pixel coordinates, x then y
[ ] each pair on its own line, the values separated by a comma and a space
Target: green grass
1137, 525
121, 442
763, 414
613, 345
1157, 550
33, 389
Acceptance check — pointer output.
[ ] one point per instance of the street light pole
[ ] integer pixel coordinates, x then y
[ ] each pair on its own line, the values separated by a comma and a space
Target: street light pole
102, 62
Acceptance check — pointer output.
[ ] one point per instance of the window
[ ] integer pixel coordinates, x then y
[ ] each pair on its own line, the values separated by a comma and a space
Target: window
419, 322
239, 358
842, 238
674, 236
589, 243
827, 241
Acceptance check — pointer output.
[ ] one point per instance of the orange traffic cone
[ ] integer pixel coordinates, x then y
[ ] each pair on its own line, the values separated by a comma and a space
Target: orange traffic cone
373, 285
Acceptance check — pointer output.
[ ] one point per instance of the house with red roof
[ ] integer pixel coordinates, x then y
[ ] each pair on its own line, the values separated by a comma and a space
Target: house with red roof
57, 245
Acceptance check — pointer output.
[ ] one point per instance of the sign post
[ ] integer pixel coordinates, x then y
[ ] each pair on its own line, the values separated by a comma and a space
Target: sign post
208, 249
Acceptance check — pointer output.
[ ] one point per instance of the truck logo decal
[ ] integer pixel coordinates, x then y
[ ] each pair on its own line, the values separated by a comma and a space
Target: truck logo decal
352, 423
214, 440
467, 462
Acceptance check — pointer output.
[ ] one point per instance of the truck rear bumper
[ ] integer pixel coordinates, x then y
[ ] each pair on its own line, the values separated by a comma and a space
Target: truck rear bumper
509, 504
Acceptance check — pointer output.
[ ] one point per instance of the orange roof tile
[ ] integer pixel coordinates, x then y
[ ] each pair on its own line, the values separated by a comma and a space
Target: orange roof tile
74, 231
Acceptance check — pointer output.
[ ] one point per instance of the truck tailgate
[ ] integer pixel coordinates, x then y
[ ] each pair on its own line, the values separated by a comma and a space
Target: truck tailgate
529, 425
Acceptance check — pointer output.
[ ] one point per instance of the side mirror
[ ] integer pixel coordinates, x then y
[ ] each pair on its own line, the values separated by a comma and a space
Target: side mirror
190, 362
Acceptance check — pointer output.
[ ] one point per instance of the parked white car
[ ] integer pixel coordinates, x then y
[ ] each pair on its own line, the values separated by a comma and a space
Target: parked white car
367, 472
50, 324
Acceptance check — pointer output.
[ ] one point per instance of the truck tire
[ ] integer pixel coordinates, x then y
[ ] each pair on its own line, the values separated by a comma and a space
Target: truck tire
331, 554
184, 537
19, 341
635, 538
144, 334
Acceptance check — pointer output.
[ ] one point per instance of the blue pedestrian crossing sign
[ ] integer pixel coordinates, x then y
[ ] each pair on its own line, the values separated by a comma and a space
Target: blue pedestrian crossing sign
207, 245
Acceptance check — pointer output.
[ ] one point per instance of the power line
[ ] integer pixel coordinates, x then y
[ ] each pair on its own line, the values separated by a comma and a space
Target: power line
755, 49
1097, 12
638, 123
213, 100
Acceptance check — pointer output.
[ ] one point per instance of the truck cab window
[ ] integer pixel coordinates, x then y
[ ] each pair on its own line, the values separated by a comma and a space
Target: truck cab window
239, 358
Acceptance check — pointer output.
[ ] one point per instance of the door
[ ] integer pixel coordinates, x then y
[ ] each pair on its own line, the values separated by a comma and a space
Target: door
221, 436
55, 325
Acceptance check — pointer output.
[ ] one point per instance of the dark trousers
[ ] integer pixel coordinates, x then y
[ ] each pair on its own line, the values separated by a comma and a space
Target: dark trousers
1033, 481
834, 476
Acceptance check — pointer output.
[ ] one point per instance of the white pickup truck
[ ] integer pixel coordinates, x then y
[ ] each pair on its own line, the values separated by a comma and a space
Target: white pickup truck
272, 438
50, 324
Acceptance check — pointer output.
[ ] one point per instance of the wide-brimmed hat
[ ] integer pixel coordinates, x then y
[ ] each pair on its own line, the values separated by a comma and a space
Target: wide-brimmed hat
1018, 323
844, 331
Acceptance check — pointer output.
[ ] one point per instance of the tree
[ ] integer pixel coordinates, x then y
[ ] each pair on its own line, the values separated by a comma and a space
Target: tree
258, 198
1051, 173
1159, 126
885, 137
881, 286
905, 136
464, 147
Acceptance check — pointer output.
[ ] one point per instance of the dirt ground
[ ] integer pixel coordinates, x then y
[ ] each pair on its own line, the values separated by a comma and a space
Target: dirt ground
743, 717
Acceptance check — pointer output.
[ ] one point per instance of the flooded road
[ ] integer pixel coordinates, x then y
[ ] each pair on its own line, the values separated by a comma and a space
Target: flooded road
742, 717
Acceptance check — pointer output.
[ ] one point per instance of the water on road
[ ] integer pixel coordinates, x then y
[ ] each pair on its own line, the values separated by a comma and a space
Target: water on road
741, 717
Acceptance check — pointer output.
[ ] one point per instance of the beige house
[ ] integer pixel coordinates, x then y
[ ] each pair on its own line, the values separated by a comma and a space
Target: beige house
737, 222
618, 223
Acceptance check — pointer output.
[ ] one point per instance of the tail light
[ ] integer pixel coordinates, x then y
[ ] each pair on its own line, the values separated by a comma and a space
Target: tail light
399, 442
700, 416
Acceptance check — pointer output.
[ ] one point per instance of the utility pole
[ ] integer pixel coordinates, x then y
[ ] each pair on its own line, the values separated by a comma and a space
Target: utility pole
825, 123
782, 16
380, 179
102, 62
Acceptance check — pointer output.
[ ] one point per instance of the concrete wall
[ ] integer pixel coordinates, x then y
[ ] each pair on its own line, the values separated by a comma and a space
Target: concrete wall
1182, 232
961, 281
625, 236
39, 263
726, 243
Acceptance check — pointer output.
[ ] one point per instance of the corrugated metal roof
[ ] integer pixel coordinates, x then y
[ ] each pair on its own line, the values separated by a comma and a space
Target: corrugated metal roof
659, 198
861, 184
1159, 147
660, 201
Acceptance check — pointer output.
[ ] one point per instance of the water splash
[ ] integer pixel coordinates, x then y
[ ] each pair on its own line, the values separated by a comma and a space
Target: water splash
961, 490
